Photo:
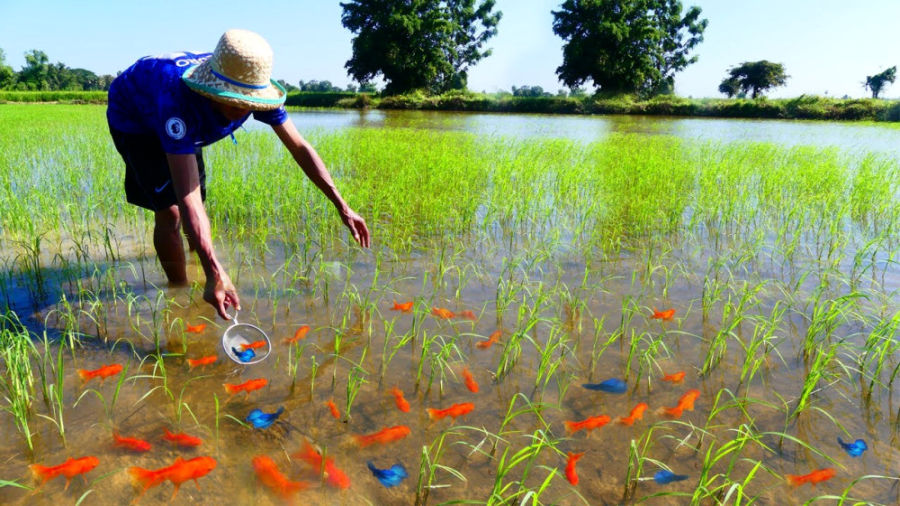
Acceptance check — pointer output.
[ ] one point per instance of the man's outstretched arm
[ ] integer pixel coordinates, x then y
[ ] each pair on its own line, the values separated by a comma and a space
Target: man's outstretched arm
315, 170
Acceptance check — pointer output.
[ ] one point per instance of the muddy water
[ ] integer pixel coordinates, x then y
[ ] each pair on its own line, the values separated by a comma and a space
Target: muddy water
185, 399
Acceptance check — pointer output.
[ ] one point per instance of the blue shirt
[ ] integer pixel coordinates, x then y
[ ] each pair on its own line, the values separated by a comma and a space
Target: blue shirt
150, 97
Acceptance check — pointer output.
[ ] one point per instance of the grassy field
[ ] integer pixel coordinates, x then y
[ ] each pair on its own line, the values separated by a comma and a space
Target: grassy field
780, 264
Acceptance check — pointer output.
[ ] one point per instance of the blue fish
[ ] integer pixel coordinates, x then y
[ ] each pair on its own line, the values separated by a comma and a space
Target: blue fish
854, 449
612, 385
664, 477
262, 420
244, 356
390, 477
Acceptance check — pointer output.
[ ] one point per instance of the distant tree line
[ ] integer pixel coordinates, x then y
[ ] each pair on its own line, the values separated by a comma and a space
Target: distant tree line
618, 47
38, 74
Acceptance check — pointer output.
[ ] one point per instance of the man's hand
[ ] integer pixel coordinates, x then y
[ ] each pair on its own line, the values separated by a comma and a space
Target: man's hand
220, 293
357, 226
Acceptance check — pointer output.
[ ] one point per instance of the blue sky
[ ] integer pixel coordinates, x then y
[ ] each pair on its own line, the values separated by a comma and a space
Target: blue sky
826, 45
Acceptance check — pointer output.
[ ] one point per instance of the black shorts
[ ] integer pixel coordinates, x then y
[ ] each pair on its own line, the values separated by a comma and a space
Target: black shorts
148, 181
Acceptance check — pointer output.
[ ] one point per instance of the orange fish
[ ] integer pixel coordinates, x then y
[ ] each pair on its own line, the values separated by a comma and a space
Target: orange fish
814, 477
673, 412
70, 469
687, 400
197, 362
493, 338
468, 315
130, 443
334, 476
182, 439
440, 312
663, 315
102, 373
678, 377
571, 475
471, 384
402, 405
195, 329
590, 423
334, 410
269, 475
384, 436
253, 346
403, 307
453, 411
246, 387
299, 335
178, 473
637, 413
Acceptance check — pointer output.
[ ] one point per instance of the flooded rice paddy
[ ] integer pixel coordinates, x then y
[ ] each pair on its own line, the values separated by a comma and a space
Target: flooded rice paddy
779, 260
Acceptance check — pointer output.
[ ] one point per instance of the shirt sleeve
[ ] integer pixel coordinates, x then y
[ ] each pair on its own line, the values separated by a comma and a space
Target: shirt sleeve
274, 117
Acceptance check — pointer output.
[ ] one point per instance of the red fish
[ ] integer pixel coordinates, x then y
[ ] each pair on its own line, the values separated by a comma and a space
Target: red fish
178, 473
819, 475
298, 336
571, 475
402, 405
334, 476
453, 411
493, 338
182, 439
197, 362
102, 373
195, 329
246, 387
673, 412
677, 377
130, 443
334, 409
471, 384
384, 436
253, 346
468, 315
269, 475
404, 307
590, 423
70, 469
443, 313
663, 315
637, 413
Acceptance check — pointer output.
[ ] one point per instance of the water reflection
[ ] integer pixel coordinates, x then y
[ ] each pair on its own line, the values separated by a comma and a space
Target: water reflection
852, 137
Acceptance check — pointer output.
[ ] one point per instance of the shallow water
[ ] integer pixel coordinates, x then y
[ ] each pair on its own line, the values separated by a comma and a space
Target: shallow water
532, 284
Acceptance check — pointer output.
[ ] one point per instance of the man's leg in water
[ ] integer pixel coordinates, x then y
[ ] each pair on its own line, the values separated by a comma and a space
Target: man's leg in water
169, 247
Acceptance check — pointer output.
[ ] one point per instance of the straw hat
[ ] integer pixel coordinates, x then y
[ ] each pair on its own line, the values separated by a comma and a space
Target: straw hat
239, 72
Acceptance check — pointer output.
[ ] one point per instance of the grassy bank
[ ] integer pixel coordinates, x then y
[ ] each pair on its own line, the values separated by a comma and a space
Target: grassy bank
803, 107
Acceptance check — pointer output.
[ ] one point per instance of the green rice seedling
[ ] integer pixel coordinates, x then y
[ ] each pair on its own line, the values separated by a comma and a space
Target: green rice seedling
313, 371
17, 380
386, 356
355, 380
52, 383
429, 465
733, 315
439, 361
596, 349
719, 486
504, 492
826, 316
818, 371
552, 355
760, 344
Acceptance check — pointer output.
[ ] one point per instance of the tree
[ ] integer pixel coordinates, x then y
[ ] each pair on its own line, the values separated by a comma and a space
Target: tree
418, 44
529, 91
626, 46
36, 72
7, 74
874, 83
753, 77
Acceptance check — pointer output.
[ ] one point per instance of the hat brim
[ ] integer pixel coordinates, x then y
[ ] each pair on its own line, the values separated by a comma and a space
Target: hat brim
200, 79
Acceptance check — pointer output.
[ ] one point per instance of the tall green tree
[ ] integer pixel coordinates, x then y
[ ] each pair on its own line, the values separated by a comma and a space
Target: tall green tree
877, 82
753, 77
626, 46
35, 75
418, 44
7, 74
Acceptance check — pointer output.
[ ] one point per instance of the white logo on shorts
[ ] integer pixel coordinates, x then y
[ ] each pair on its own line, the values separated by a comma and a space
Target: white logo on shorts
175, 127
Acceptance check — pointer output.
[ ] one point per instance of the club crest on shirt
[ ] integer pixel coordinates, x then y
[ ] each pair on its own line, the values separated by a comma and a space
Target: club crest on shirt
175, 127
